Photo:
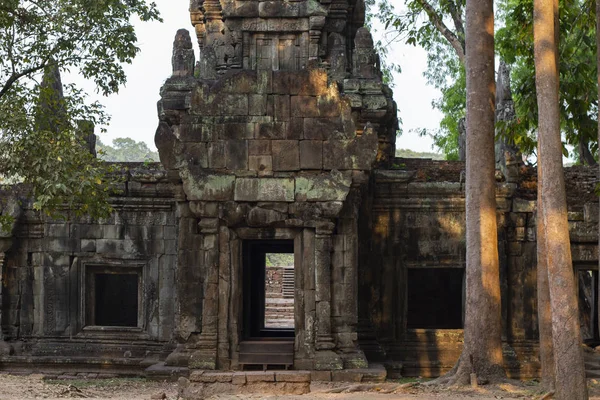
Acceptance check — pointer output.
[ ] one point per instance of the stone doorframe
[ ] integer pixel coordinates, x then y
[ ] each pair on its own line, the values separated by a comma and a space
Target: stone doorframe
222, 318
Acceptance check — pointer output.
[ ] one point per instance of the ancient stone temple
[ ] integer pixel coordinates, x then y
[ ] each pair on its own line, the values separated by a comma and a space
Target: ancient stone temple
272, 137
279, 231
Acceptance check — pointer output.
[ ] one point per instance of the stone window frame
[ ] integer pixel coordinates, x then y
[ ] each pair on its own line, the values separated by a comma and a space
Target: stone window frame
462, 267
301, 45
87, 267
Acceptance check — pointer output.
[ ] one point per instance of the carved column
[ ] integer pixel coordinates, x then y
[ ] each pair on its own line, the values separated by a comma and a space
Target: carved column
316, 27
197, 19
205, 357
326, 358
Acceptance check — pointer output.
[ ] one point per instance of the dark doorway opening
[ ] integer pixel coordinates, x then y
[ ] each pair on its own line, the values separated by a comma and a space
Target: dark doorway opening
268, 307
587, 285
435, 298
116, 299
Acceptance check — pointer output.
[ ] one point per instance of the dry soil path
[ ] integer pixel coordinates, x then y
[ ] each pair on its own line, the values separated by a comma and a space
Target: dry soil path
35, 387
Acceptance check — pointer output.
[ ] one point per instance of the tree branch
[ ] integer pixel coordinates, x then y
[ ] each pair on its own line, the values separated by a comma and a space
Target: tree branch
18, 75
436, 20
456, 14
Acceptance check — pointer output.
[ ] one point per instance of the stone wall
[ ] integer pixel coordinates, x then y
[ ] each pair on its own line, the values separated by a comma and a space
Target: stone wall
414, 220
48, 277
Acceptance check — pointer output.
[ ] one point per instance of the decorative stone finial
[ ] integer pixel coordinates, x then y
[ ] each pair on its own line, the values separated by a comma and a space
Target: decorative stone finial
183, 54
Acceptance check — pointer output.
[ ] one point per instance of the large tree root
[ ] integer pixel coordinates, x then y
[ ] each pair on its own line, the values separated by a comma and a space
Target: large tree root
368, 388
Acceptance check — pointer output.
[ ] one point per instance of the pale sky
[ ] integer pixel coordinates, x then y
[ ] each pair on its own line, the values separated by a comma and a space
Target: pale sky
133, 109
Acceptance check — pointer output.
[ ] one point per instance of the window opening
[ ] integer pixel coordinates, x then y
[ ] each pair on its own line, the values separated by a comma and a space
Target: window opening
435, 298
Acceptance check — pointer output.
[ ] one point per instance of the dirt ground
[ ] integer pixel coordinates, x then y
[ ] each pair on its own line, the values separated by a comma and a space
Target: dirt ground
35, 387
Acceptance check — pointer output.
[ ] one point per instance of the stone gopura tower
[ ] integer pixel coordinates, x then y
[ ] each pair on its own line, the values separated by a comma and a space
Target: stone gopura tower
271, 136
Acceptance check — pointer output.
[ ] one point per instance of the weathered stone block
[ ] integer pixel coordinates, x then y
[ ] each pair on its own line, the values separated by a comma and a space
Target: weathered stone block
286, 155
320, 376
198, 154
276, 189
323, 128
195, 132
270, 130
329, 106
374, 102
237, 131
355, 100
264, 189
259, 147
208, 187
590, 212
260, 376
236, 154
88, 245
311, 82
311, 154
282, 107
263, 217
335, 154
346, 376
210, 377
239, 378
292, 376
216, 155
239, 82
258, 104
232, 104
246, 189
295, 129
305, 106
330, 187
57, 230
260, 163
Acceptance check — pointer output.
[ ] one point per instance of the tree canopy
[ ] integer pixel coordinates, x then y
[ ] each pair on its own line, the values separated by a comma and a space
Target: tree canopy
438, 27
40, 121
126, 150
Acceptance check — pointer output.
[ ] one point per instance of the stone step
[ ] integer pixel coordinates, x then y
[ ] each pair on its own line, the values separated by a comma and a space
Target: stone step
265, 346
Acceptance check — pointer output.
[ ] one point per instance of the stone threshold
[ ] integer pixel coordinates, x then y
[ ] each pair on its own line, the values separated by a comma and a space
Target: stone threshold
376, 373
205, 383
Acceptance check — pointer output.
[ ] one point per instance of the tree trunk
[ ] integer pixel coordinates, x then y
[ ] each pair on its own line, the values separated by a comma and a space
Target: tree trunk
482, 352
566, 336
543, 298
585, 155
598, 79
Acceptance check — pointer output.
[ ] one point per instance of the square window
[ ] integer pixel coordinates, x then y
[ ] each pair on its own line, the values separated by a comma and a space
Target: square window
435, 298
113, 296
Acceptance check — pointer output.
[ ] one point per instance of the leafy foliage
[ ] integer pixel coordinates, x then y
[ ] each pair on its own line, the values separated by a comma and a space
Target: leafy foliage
577, 56
40, 137
436, 26
279, 259
126, 150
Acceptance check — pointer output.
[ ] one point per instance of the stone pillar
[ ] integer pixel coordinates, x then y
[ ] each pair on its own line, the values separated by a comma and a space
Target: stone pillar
224, 290
326, 358
205, 356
